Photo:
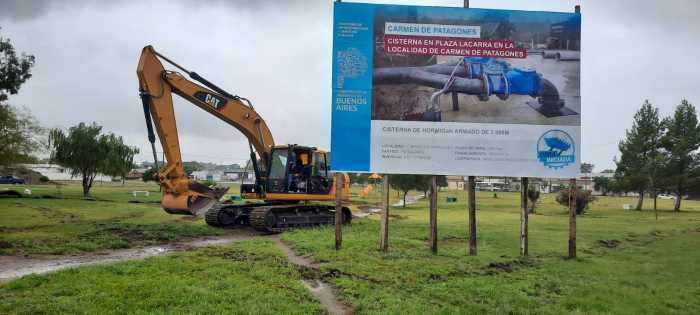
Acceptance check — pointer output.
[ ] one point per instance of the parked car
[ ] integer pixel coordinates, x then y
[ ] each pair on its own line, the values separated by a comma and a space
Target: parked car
11, 179
116, 179
665, 196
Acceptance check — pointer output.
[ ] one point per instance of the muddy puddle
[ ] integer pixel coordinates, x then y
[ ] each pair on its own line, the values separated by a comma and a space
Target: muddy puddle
322, 290
373, 210
12, 267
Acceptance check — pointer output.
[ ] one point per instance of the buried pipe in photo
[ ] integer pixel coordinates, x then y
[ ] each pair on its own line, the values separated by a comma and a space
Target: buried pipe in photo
567, 55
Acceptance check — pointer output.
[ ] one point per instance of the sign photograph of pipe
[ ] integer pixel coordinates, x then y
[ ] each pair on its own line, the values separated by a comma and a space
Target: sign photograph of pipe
438, 90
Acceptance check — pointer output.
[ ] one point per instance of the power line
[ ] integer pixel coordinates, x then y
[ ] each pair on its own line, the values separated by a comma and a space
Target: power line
598, 145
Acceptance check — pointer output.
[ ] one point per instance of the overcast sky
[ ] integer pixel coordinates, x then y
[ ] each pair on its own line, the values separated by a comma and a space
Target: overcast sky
278, 55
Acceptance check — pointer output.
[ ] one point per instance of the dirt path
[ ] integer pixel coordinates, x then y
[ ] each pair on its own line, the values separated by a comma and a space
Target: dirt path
322, 290
12, 266
370, 211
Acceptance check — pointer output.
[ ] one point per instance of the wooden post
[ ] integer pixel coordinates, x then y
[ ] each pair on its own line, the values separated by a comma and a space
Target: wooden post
523, 215
338, 210
433, 213
572, 219
572, 201
384, 238
472, 215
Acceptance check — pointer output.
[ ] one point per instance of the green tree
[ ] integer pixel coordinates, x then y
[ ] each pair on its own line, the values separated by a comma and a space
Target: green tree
681, 141
120, 158
86, 152
614, 188
656, 173
618, 186
584, 199
587, 168
189, 168
405, 183
643, 141
601, 183
21, 136
441, 182
608, 170
534, 196
147, 176
14, 70
353, 178
422, 183
362, 178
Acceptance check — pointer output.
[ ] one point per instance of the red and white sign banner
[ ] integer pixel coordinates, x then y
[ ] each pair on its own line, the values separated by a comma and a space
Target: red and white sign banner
451, 47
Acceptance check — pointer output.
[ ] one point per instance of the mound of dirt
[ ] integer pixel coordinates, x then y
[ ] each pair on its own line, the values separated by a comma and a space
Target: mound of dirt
609, 243
10, 194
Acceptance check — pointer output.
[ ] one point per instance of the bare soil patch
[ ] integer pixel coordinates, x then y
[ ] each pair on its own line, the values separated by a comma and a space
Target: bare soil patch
609, 243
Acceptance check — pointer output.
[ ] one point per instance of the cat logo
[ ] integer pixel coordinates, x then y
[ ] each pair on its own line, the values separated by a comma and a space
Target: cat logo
215, 101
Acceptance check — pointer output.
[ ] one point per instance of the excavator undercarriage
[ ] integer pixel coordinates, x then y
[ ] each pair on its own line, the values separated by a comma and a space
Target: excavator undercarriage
272, 217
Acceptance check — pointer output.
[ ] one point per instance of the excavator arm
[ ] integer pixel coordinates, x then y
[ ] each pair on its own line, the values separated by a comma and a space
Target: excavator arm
180, 194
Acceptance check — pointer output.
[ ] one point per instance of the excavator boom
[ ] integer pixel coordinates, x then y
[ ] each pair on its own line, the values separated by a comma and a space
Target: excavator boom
180, 194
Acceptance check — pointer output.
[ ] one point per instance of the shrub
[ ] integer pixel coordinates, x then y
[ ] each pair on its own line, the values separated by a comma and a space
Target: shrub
534, 196
583, 199
58, 186
208, 183
23, 170
43, 179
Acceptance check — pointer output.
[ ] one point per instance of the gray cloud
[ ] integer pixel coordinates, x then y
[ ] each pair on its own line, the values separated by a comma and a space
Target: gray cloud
278, 54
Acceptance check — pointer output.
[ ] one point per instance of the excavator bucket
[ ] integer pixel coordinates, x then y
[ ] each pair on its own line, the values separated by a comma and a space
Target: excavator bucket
192, 204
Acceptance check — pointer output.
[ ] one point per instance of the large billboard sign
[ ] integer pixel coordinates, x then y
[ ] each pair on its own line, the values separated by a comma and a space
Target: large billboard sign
435, 90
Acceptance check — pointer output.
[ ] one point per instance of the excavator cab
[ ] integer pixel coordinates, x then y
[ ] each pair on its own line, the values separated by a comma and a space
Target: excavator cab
314, 177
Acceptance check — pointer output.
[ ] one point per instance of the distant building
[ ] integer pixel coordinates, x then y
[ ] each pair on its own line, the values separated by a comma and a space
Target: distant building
237, 174
52, 171
136, 173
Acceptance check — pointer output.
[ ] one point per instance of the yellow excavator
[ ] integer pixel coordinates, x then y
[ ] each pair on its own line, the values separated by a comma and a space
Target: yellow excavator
285, 195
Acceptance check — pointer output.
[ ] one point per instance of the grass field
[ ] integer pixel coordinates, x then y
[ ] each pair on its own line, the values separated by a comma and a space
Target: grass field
47, 222
245, 278
629, 262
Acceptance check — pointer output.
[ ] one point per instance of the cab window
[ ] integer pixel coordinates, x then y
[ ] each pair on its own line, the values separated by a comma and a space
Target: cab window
278, 168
